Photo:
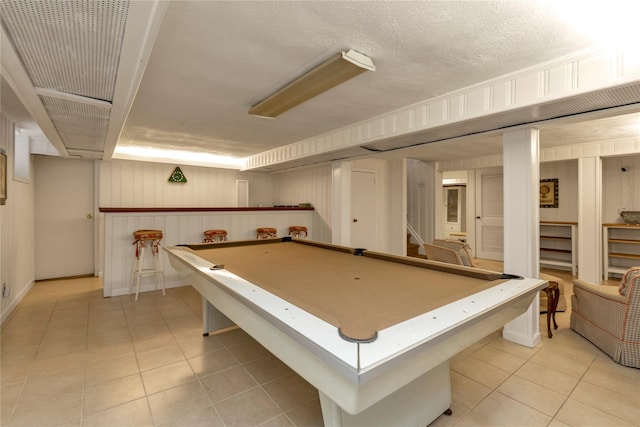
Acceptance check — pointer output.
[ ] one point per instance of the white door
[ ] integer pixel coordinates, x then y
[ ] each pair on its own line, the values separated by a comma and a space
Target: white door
489, 214
64, 227
363, 209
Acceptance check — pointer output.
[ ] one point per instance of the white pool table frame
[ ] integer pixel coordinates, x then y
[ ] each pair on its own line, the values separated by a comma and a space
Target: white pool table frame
402, 378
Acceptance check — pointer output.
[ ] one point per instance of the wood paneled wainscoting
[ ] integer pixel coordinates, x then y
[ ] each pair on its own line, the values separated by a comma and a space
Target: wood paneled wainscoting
180, 226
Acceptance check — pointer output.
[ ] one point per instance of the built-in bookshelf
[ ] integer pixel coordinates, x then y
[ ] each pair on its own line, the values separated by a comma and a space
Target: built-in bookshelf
558, 245
621, 248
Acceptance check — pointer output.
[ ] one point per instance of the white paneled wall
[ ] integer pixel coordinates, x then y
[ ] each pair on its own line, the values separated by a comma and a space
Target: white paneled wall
620, 189
139, 184
17, 238
125, 183
567, 174
181, 228
309, 185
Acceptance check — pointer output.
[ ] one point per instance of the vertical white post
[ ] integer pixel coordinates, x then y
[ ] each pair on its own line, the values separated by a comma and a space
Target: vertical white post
590, 219
341, 198
438, 202
397, 208
521, 224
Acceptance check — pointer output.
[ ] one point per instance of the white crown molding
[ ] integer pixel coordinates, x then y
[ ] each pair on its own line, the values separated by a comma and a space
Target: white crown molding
569, 76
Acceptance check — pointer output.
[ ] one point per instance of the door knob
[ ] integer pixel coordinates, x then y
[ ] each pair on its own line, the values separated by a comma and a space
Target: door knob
477, 217
89, 216
355, 219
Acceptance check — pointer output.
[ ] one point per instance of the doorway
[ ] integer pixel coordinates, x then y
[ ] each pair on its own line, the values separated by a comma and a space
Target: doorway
64, 224
363, 209
489, 214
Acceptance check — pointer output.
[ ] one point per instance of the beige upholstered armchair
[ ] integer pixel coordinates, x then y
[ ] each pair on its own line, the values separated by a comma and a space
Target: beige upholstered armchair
456, 252
609, 316
451, 251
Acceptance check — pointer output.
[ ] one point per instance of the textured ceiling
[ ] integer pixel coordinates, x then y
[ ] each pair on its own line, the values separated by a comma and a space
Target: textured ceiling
212, 60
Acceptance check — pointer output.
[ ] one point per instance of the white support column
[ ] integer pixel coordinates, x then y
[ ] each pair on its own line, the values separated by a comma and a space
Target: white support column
438, 216
590, 219
397, 207
521, 224
432, 179
341, 198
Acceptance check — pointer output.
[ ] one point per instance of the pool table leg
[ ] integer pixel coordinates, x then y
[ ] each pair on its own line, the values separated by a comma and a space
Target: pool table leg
416, 404
213, 319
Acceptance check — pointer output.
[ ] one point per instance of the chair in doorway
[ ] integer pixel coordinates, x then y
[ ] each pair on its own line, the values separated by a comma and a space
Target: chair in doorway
609, 316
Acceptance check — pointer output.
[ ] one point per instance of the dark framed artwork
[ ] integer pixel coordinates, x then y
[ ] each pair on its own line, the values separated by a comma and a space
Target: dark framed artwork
3, 178
549, 193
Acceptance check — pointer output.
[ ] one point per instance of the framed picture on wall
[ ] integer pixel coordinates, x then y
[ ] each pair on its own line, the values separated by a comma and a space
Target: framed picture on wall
3, 178
549, 193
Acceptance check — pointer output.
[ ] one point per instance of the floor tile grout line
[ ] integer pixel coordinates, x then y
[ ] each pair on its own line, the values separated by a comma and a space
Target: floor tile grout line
198, 377
584, 403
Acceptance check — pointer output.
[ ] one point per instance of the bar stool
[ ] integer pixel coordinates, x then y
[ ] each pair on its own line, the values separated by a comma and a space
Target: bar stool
142, 239
297, 230
266, 233
213, 236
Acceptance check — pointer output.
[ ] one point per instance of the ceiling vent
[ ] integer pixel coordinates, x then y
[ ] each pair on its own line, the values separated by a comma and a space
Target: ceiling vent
71, 48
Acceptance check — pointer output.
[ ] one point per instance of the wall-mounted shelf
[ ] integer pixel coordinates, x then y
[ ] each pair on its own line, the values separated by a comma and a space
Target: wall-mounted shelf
558, 245
621, 248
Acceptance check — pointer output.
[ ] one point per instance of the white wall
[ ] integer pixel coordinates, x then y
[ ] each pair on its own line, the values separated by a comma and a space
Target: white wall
620, 190
567, 174
309, 185
125, 183
17, 238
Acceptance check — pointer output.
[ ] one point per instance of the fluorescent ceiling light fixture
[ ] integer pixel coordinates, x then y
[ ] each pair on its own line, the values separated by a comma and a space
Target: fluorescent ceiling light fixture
342, 67
177, 156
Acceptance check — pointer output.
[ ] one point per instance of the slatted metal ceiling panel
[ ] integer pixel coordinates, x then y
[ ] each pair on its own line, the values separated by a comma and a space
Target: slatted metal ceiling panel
71, 47
84, 126
606, 98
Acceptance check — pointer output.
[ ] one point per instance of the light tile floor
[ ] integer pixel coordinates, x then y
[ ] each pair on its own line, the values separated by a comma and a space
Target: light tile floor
73, 358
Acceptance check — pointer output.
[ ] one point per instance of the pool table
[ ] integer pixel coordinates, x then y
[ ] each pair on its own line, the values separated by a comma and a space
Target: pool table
372, 332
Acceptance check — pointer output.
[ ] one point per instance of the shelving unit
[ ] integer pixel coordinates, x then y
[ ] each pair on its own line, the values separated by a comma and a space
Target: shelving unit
621, 248
558, 245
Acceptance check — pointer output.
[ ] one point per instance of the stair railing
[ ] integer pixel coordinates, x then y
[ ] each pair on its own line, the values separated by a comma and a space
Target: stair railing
414, 235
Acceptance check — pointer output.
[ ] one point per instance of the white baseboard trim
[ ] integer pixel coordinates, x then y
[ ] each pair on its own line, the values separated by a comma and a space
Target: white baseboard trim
14, 303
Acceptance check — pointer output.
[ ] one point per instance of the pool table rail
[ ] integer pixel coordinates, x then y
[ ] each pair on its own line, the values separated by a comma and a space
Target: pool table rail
397, 344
